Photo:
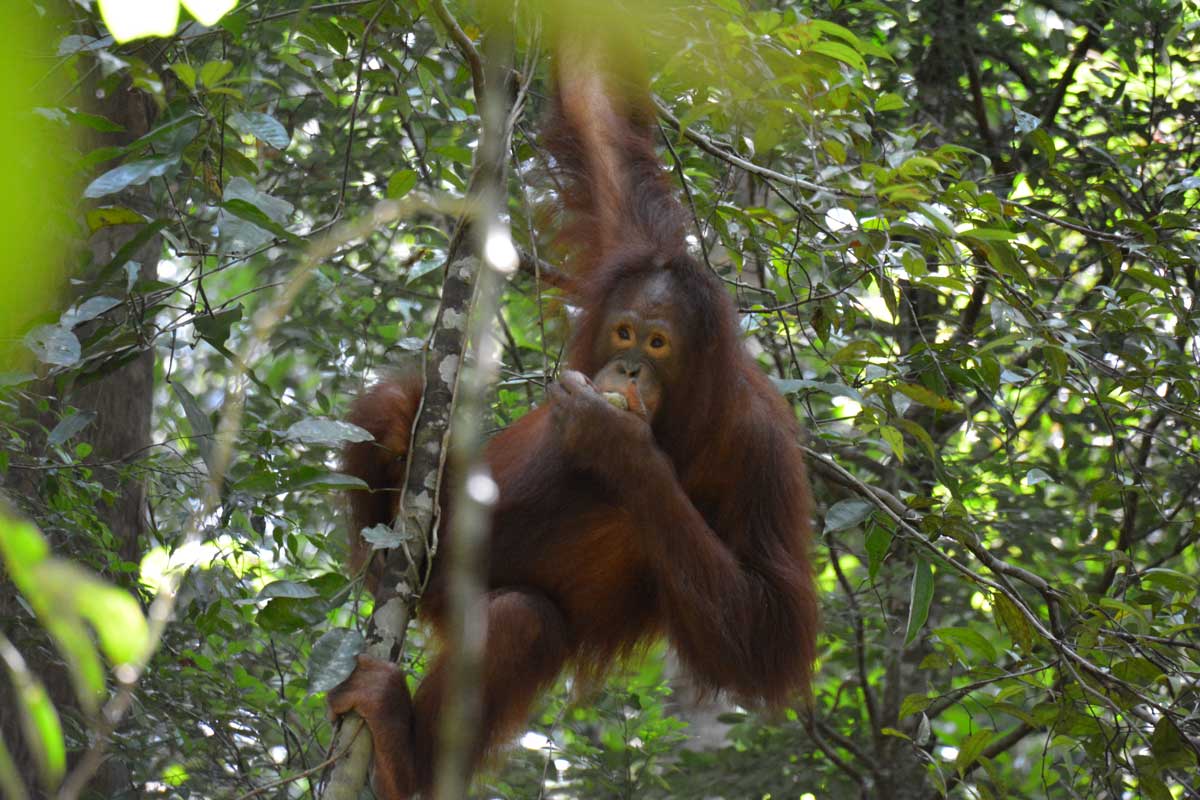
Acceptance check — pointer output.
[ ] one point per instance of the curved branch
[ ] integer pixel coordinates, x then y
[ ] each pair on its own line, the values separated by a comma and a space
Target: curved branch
464, 44
712, 148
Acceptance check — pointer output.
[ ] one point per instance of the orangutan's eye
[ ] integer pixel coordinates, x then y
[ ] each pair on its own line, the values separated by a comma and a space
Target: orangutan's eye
624, 333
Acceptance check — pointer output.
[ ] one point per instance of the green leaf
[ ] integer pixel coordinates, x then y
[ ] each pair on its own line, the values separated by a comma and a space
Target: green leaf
54, 345
971, 748
894, 439
22, 548
841, 52
401, 183
213, 72
846, 514
1045, 145
939, 220
1169, 748
286, 614
1017, 711
95, 122
734, 7
423, 268
132, 174
793, 385
926, 397
202, 427
856, 352
913, 704
115, 615
110, 216
988, 234
920, 599
39, 719
251, 213
1014, 622
969, 638
1170, 579
287, 589
878, 541
16, 378
87, 311
335, 481
833, 29
333, 659
186, 73
769, 131
1152, 788
261, 126
69, 426
216, 328
385, 537
331, 432
922, 436
889, 101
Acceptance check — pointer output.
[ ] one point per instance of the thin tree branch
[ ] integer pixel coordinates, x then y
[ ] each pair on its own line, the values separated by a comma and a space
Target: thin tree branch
712, 148
465, 46
474, 490
1001, 745
358, 84
1060, 91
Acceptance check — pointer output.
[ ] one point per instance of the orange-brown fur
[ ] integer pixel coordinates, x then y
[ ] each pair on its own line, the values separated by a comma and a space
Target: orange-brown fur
611, 529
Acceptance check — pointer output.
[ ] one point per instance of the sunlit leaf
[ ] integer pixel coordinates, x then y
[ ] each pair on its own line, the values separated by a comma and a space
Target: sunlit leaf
841, 52
108, 216
401, 183
332, 432
926, 397
39, 719
209, 12
133, 19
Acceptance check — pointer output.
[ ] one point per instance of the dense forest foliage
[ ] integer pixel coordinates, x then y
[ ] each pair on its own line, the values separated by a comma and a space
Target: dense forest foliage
963, 240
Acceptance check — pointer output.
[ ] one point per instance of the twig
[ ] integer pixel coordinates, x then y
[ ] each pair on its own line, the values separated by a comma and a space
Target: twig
544, 271
1062, 223
860, 640
1060, 91
465, 46
951, 698
358, 84
905, 520
709, 146
474, 490
310, 771
977, 104
1001, 745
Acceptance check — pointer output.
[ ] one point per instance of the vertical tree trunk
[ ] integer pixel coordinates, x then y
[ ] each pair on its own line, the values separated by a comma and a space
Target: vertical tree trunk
119, 434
